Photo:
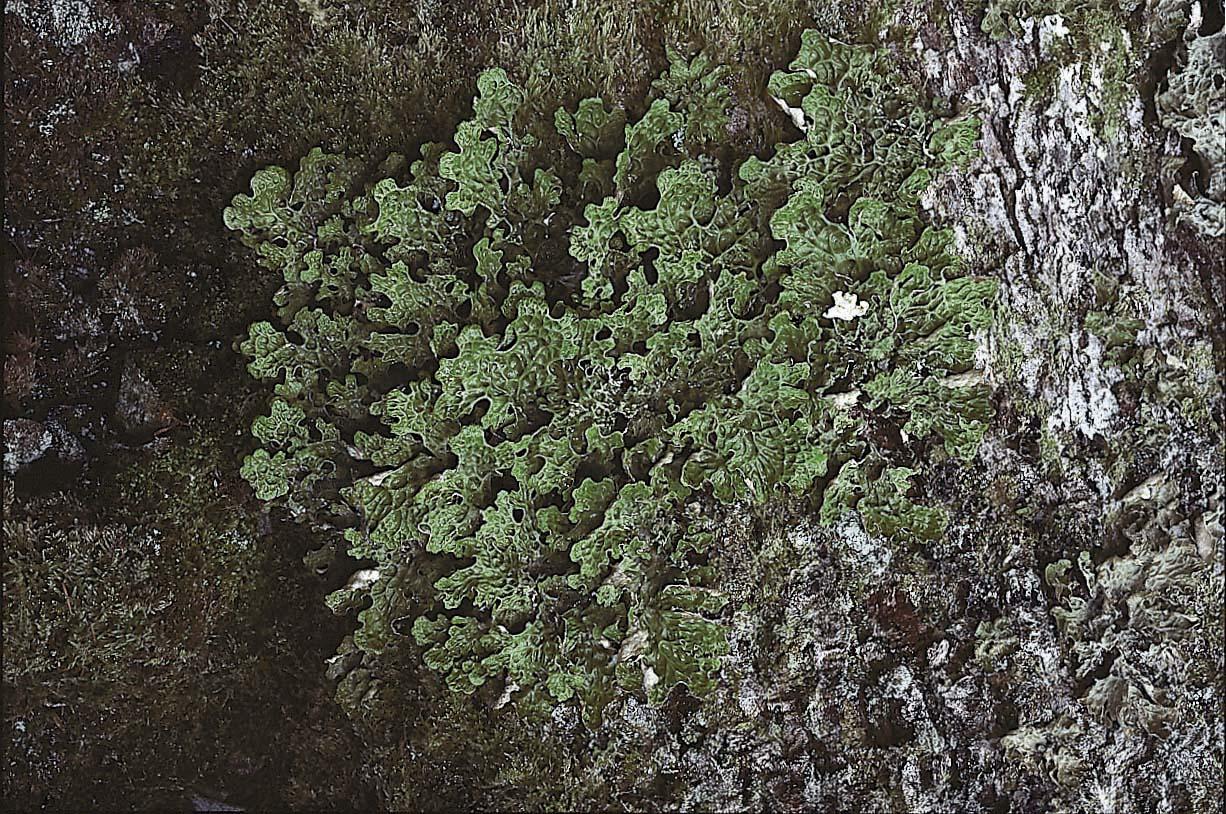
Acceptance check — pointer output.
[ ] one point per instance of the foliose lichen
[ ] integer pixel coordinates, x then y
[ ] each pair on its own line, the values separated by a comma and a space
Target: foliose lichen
1194, 106
519, 384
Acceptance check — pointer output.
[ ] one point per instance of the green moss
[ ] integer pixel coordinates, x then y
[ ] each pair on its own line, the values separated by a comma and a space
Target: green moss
82, 604
1041, 83
139, 625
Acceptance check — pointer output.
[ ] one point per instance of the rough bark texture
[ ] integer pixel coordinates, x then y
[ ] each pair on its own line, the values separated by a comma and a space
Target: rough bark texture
1060, 649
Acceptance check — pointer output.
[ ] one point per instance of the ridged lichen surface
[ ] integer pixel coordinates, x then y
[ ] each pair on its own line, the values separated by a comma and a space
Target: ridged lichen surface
523, 370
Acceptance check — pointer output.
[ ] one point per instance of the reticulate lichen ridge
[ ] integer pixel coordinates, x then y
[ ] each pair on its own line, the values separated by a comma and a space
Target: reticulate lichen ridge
520, 385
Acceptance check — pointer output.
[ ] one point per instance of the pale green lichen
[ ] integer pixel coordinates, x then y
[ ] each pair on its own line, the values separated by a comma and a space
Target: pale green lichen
1194, 106
521, 390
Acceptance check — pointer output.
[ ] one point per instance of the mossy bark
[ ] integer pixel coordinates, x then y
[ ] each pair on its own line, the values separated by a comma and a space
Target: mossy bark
1060, 647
